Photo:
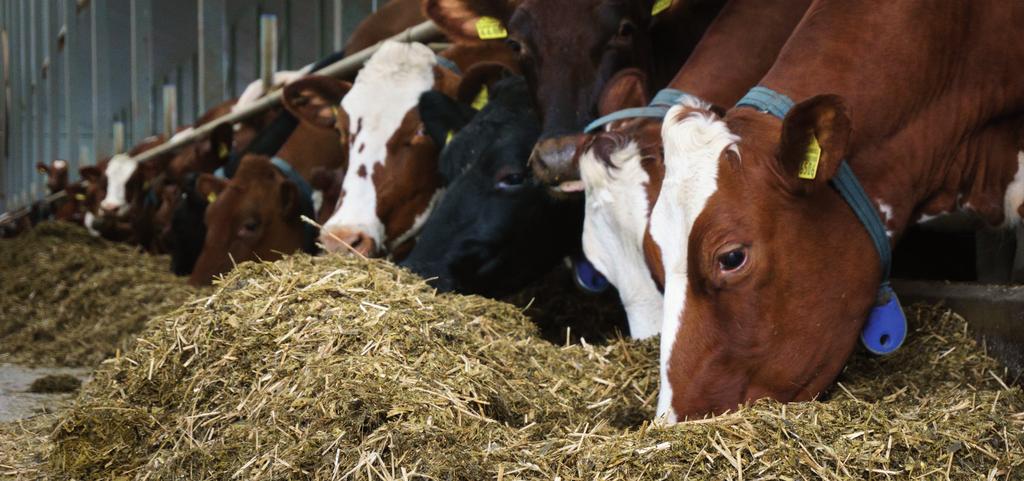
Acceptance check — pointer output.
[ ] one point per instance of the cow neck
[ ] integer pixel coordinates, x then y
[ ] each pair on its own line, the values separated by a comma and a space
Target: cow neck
657, 109
305, 201
886, 326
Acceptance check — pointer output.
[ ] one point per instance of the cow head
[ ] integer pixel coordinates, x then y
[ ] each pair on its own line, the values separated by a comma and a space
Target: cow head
482, 236
621, 170
392, 180
568, 50
56, 175
255, 215
769, 276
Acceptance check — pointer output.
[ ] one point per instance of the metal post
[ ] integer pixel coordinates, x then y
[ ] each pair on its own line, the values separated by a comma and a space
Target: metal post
268, 49
25, 81
211, 46
71, 47
142, 68
53, 79
170, 109
4, 98
339, 34
101, 100
119, 137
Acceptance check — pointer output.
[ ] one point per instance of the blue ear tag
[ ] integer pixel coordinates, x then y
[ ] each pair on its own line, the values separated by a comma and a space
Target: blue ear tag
886, 328
587, 276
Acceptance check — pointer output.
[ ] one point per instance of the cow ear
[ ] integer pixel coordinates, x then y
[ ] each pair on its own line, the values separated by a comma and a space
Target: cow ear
443, 116
289, 200
476, 85
219, 145
627, 89
42, 168
815, 138
91, 173
316, 100
460, 20
210, 186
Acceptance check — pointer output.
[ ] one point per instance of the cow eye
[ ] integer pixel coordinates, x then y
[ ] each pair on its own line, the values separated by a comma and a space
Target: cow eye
514, 45
732, 259
250, 226
626, 28
510, 181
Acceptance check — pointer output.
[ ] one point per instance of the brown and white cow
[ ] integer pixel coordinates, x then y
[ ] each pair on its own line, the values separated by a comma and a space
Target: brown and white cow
770, 276
56, 175
621, 168
392, 182
255, 215
569, 49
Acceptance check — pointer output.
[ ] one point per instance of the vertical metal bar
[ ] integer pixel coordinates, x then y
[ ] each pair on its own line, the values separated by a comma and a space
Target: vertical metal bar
339, 34
71, 51
118, 133
268, 49
24, 115
170, 109
53, 79
32, 75
373, 7
211, 46
101, 100
142, 68
5, 22
286, 36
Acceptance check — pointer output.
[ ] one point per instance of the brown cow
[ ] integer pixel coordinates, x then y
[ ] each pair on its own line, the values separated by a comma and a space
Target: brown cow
569, 49
389, 20
393, 182
56, 175
769, 274
255, 215
622, 168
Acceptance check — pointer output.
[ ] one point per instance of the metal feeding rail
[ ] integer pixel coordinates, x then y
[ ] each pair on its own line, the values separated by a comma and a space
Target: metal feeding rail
346, 66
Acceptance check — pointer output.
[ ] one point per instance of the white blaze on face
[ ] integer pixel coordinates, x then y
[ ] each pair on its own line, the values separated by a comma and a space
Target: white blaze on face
119, 170
1015, 194
60, 164
386, 89
615, 219
692, 149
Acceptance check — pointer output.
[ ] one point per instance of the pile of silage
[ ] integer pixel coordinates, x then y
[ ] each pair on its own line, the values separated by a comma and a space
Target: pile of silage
330, 368
70, 299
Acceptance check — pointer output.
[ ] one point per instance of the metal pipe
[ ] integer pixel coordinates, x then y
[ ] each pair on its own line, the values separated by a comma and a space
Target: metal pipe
344, 67
71, 123
53, 99
141, 12
268, 49
211, 46
119, 137
170, 109
99, 10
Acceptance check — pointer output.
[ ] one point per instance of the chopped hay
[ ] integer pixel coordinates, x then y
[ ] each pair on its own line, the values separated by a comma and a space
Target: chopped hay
23, 447
331, 368
69, 299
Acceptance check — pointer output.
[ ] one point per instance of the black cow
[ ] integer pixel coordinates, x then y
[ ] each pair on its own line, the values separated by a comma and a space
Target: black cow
497, 229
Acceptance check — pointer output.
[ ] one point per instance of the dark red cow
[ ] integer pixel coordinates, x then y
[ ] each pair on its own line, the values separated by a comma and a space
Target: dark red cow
769, 273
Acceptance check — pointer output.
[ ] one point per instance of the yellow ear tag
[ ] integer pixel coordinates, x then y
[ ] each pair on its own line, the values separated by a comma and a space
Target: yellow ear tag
481, 99
42, 171
490, 28
661, 6
80, 197
809, 168
212, 196
448, 139
223, 151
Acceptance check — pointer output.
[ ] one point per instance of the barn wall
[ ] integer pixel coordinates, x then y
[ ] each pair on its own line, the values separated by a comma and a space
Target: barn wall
63, 101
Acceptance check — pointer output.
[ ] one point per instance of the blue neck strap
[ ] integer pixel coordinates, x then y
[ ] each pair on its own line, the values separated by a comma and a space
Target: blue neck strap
305, 200
886, 327
657, 109
448, 64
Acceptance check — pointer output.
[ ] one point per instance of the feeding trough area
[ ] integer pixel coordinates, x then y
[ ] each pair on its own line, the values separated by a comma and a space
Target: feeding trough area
511, 240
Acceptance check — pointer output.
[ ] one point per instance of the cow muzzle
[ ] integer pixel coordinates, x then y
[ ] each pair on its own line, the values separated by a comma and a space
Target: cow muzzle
346, 240
554, 162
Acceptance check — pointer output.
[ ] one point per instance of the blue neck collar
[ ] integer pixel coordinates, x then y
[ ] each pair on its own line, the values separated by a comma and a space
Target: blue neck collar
657, 109
305, 201
886, 327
